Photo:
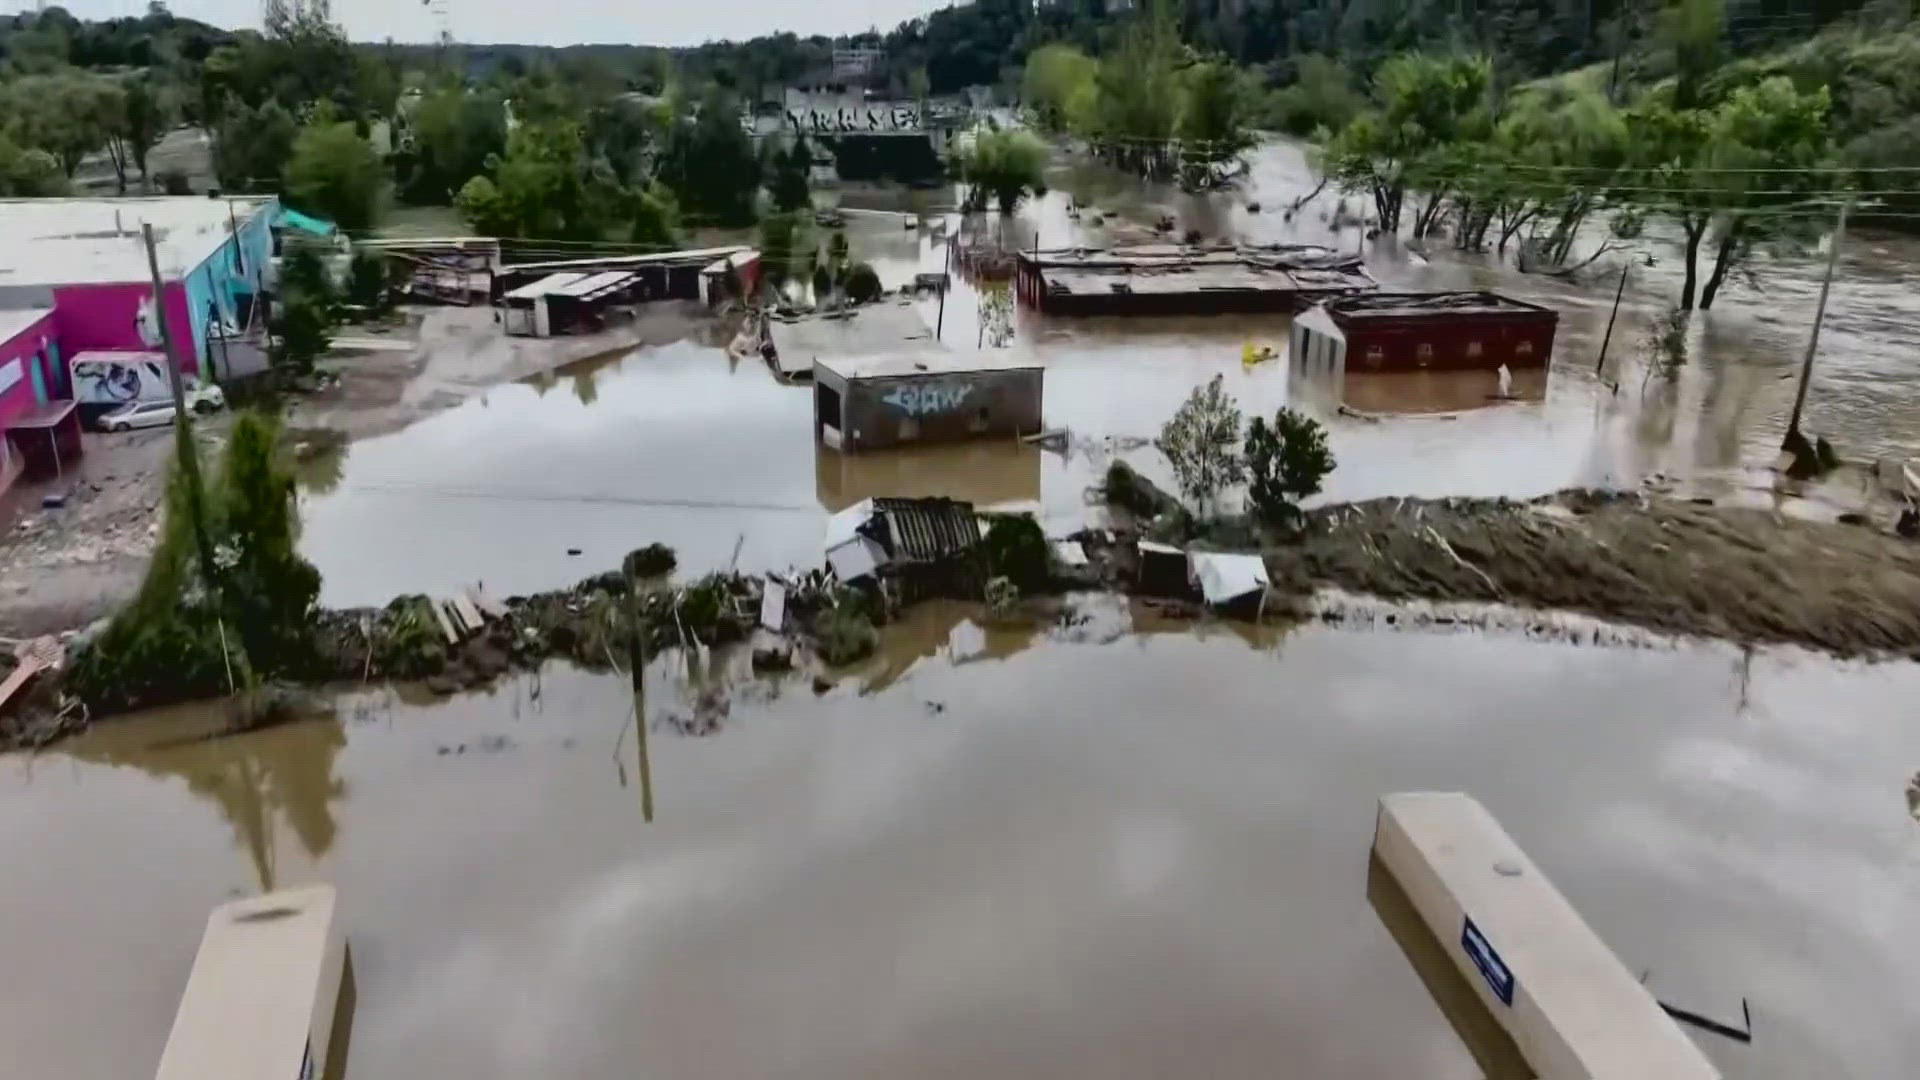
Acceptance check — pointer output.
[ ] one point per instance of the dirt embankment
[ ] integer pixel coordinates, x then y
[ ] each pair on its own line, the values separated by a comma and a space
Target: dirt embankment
1747, 575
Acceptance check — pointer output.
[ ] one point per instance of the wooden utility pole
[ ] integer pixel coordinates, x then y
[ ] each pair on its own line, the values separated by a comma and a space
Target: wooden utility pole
1793, 436
188, 454
945, 275
1607, 338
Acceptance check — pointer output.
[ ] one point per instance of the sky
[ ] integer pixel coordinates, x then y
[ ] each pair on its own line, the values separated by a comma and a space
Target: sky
557, 22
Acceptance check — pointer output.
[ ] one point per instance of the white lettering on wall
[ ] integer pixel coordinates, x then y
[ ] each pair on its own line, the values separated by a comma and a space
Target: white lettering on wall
927, 398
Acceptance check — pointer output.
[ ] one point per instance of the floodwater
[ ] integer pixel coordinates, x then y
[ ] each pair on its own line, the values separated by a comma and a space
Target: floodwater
1115, 845
714, 457
1122, 847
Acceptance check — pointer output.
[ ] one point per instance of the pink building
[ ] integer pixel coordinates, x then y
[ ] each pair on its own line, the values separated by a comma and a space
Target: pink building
38, 430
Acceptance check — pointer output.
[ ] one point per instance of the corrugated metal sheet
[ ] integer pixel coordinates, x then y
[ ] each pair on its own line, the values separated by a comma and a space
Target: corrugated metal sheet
921, 529
548, 284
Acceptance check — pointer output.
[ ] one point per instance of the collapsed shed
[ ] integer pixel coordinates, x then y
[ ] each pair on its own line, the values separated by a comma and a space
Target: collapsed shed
665, 275
923, 547
870, 402
1171, 279
568, 302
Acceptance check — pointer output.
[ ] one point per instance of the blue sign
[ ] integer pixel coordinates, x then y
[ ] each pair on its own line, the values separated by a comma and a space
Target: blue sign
1492, 968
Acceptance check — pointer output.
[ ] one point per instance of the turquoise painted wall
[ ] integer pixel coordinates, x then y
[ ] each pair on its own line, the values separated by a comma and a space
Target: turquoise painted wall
233, 270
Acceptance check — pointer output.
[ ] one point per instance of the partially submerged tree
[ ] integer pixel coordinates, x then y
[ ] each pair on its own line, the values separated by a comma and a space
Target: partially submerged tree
1002, 167
1202, 443
1286, 461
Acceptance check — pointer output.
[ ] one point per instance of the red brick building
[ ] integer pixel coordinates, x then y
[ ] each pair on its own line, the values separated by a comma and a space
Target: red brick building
1454, 331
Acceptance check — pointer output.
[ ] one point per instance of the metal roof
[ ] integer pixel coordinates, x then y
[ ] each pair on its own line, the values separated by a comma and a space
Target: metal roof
928, 528
594, 286
1405, 305
926, 362
15, 323
550, 284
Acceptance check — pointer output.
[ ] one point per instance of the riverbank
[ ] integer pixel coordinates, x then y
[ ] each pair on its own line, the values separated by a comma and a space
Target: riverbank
1668, 566
1750, 576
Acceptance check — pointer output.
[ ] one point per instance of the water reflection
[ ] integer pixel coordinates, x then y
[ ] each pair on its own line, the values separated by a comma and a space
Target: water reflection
264, 783
1492, 1048
987, 474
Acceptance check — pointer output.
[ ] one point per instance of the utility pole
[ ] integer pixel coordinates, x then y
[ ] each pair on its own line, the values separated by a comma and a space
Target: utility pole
945, 275
1793, 436
1606, 338
182, 421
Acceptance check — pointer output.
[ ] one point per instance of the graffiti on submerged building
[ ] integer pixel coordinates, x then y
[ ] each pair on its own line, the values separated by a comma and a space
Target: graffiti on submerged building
926, 399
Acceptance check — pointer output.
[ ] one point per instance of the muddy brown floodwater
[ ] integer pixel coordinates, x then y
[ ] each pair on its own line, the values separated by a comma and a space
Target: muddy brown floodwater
1115, 846
680, 444
1126, 847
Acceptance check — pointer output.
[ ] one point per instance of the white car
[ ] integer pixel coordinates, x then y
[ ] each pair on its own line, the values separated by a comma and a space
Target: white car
201, 399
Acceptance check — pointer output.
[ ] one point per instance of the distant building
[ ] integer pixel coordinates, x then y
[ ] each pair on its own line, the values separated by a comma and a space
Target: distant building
850, 64
84, 259
74, 278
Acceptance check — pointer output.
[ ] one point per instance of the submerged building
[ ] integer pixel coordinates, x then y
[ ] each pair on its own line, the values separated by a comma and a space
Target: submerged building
1436, 331
1172, 279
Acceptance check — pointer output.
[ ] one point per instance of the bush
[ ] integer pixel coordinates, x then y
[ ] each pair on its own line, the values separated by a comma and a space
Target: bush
1286, 461
175, 182
844, 635
863, 284
367, 283
654, 560
1016, 549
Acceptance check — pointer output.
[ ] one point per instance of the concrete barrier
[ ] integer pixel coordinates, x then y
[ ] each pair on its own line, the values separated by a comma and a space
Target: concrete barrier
260, 1002
1571, 1007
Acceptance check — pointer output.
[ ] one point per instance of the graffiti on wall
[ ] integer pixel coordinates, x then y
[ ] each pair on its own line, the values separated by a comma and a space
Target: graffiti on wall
926, 399
846, 120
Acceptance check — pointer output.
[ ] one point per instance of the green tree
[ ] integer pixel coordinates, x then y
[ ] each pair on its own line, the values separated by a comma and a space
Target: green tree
148, 112
1424, 109
789, 189
268, 591
710, 164
1213, 124
302, 334
69, 114
453, 132
335, 174
1322, 95
544, 188
368, 285
1772, 145
1056, 77
1286, 461
28, 172
1202, 443
655, 218
1001, 168
251, 145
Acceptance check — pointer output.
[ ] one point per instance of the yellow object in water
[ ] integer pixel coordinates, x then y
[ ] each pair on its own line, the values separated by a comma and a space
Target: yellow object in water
1251, 354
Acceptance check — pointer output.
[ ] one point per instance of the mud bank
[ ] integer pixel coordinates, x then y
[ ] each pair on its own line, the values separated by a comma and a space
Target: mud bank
1677, 567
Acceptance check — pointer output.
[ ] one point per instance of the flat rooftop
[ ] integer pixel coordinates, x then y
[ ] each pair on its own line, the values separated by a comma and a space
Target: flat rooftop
13, 322
1405, 305
97, 241
1172, 268
871, 329
929, 362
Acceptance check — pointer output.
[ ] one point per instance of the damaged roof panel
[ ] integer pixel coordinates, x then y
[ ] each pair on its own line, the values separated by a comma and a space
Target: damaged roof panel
929, 528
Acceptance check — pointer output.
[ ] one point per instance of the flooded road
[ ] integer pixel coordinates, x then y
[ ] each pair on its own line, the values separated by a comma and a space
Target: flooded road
1122, 848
